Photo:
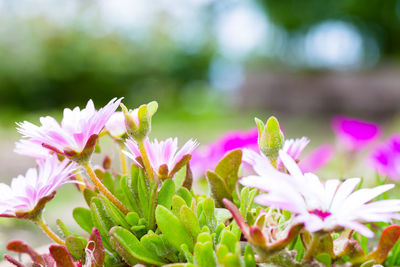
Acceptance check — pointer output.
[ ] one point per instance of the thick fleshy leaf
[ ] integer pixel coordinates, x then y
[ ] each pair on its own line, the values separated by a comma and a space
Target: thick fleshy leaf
219, 189
61, 255
172, 228
207, 216
76, 246
228, 168
190, 221
20, 247
204, 251
228, 239
155, 243
88, 195
130, 249
186, 195
249, 258
388, 239
83, 218
166, 193
177, 203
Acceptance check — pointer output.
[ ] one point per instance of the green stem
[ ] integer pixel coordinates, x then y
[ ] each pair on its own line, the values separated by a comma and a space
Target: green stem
313, 248
146, 161
99, 185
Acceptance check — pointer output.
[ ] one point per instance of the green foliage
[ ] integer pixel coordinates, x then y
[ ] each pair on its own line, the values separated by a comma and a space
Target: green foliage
224, 180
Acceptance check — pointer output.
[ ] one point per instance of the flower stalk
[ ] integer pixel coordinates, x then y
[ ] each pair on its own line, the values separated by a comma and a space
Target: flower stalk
80, 179
46, 229
146, 161
124, 164
99, 185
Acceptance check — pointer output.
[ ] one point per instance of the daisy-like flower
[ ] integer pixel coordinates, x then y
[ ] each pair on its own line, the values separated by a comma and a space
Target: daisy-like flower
32, 149
27, 192
77, 134
116, 125
386, 158
355, 134
294, 148
164, 157
321, 206
208, 157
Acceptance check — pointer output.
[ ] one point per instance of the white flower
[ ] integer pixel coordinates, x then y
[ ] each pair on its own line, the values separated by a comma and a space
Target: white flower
321, 206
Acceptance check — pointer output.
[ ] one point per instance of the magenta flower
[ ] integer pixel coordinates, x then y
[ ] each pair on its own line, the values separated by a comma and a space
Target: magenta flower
164, 156
321, 206
355, 134
386, 158
208, 157
77, 134
27, 191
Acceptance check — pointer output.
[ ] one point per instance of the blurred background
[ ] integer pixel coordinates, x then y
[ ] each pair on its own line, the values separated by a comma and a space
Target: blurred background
211, 64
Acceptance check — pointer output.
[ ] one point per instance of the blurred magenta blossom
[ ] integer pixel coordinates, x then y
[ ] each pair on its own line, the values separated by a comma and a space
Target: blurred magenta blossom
355, 134
317, 158
208, 157
320, 206
386, 157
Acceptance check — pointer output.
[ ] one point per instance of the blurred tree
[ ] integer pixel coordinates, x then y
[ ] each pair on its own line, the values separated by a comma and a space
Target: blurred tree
375, 19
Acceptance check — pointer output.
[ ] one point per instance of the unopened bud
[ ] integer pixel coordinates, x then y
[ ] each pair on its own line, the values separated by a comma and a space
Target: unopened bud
270, 138
138, 121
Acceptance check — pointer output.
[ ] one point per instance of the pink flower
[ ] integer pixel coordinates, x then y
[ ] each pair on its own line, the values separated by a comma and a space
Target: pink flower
116, 125
386, 158
30, 148
317, 159
208, 157
293, 147
353, 133
77, 134
321, 206
164, 156
26, 191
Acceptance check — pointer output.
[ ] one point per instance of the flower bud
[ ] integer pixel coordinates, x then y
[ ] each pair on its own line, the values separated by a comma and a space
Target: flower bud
138, 121
270, 138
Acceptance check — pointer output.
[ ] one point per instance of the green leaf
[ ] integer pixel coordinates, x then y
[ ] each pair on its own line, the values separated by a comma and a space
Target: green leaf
228, 168
83, 218
166, 193
324, 258
185, 194
249, 258
117, 216
180, 176
129, 195
76, 246
209, 213
228, 239
177, 203
108, 181
172, 228
260, 126
101, 219
219, 189
63, 228
88, 195
154, 243
204, 254
190, 221
130, 249
132, 218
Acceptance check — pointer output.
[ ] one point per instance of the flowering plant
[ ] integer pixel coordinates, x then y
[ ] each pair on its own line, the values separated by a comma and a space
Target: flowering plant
275, 213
